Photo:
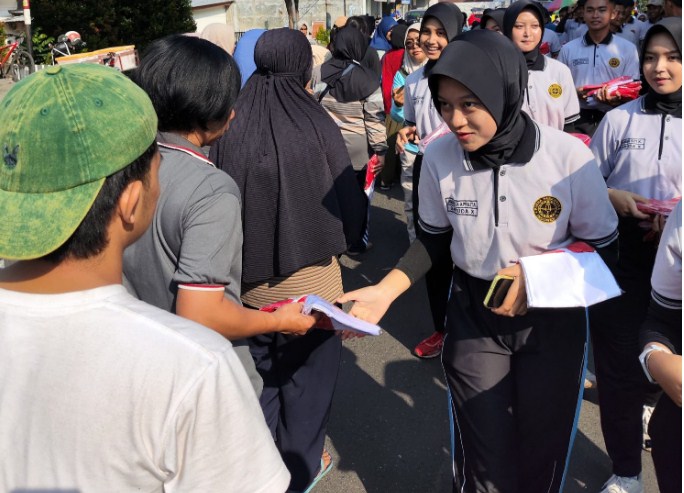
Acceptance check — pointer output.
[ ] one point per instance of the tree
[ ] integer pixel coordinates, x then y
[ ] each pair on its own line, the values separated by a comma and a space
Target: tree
104, 23
292, 7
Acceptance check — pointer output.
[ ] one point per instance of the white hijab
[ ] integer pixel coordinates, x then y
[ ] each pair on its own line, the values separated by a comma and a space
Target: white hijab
410, 65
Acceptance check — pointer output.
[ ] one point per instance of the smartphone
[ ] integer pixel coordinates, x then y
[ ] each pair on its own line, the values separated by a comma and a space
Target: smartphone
498, 291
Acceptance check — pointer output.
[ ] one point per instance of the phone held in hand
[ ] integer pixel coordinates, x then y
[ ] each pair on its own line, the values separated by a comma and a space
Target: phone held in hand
497, 291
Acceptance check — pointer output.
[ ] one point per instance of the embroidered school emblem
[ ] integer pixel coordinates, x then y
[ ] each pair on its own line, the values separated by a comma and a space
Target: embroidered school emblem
614, 62
555, 90
547, 209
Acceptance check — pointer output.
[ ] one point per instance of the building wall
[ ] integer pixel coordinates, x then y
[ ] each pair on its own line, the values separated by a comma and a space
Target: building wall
204, 17
251, 14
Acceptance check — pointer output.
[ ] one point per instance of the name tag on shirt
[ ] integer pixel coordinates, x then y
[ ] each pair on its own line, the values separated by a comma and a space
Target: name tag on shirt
462, 207
580, 61
633, 143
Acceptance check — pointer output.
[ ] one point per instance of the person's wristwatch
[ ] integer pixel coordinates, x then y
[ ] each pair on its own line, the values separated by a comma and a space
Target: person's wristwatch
643, 358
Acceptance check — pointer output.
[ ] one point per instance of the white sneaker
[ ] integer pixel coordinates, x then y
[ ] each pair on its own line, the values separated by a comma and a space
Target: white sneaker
623, 484
645, 418
589, 380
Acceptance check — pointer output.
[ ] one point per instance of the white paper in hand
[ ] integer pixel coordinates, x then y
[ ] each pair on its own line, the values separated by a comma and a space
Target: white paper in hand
339, 319
574, 276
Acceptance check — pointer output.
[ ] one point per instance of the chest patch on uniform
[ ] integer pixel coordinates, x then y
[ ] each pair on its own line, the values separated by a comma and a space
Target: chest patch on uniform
461, 207
580, 61
614, 62
555, 90
547, 209
633, 143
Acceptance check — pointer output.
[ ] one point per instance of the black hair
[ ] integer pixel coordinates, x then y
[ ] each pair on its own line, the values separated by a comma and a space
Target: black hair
359, 22
192, 83
90, 238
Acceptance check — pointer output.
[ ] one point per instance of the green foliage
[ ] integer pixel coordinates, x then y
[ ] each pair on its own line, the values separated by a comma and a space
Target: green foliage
323, 37
104, 23
41, 47
2, 35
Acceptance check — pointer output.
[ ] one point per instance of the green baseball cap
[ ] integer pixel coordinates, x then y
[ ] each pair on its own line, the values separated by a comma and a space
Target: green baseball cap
65, 129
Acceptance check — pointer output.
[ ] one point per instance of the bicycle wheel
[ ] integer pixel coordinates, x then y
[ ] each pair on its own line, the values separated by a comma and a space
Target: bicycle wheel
22, 65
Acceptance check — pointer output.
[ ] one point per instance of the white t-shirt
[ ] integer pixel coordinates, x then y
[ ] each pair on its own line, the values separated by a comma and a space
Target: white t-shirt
556, 198
418, 105
631, 156
551, 97
591, 63
101, 392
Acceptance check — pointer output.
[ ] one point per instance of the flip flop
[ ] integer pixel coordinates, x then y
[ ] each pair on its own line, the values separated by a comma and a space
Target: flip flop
321, 473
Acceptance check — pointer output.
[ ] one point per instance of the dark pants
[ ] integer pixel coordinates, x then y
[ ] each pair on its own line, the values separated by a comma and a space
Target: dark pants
363, 242
665, 429
515, 385
299, 381
622, 386
438, 278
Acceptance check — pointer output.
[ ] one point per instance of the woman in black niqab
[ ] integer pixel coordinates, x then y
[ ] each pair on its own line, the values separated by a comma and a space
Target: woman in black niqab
499, 83
301, 207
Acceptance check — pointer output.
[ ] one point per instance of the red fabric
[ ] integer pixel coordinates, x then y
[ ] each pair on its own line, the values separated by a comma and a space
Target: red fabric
391, 63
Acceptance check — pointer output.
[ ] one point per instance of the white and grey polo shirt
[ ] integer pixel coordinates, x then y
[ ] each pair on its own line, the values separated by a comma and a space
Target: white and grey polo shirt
520, 209
418, 106
639, 151
592, 63
667, 270
551, 97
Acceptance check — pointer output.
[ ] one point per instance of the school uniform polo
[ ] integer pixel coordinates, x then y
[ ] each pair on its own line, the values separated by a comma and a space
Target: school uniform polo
631, 33
640, 151
592, 63
552, 42
573, 30
551, 97
418, 106
520, 209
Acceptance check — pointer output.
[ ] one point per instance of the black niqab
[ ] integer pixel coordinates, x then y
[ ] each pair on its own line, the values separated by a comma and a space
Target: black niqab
451, 18
300, 200
534, 58
351, 47
494, 70
665, 104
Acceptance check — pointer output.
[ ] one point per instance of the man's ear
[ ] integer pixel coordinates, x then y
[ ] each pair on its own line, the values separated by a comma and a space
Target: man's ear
130, 202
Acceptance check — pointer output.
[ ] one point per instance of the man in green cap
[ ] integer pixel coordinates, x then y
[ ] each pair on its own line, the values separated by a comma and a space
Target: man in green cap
99, 390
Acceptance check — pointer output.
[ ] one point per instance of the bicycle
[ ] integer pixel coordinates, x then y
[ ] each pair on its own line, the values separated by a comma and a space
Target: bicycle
16, 61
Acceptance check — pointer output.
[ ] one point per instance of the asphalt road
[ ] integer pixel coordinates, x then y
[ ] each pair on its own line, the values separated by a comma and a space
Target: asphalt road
389, 429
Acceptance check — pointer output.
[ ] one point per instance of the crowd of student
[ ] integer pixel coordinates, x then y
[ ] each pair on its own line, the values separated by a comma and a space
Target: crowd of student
149, 220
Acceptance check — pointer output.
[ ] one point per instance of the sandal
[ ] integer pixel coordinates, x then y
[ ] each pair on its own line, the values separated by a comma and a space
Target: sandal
324, 469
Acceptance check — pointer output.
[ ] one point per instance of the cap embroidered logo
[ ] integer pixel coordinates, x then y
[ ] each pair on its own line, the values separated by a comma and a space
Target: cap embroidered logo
555, 90
10, 157
547, 209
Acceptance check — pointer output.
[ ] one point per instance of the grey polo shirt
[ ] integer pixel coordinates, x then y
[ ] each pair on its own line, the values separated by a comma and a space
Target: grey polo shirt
558, 197
195, 237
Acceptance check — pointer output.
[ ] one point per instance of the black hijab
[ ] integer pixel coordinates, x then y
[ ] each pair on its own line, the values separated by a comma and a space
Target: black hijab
397, 36
494, 70
497, 15
665, 104
534, 59
351, 47
300, 201
451, 19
